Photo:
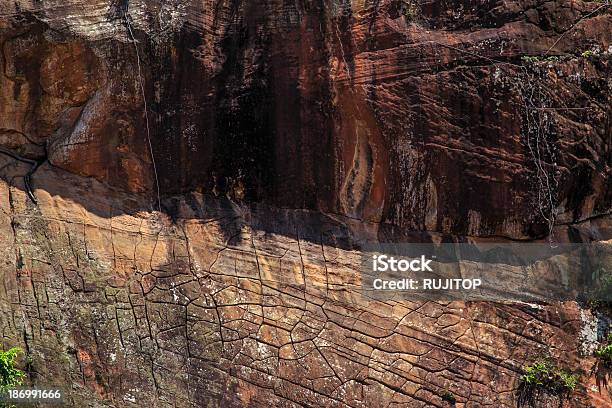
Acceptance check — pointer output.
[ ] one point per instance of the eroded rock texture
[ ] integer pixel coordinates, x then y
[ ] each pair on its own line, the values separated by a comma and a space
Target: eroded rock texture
231, 306
366, 120
385, 111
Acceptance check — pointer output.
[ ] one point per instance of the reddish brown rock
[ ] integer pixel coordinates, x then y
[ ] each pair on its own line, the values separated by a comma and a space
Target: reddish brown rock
217, 307
282, 136
386, 112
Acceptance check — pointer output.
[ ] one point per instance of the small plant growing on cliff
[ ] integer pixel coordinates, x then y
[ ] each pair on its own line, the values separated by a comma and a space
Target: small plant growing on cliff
544, 374
449, 397
543, 378
537, 58
530, 58
604, 353
587, 54
410, 10
10, 376
603, 364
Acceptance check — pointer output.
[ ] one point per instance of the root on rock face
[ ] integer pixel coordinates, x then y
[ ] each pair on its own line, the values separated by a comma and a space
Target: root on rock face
27, 179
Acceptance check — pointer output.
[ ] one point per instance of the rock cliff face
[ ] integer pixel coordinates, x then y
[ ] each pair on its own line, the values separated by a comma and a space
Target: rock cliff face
386, 111
275, 137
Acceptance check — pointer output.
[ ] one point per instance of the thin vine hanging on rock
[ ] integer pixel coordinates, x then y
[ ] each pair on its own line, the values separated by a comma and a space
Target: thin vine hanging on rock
538, 133
128, 25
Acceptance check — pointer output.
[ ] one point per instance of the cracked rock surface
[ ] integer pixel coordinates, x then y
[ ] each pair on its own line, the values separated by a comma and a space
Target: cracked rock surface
284, 134
222, 307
